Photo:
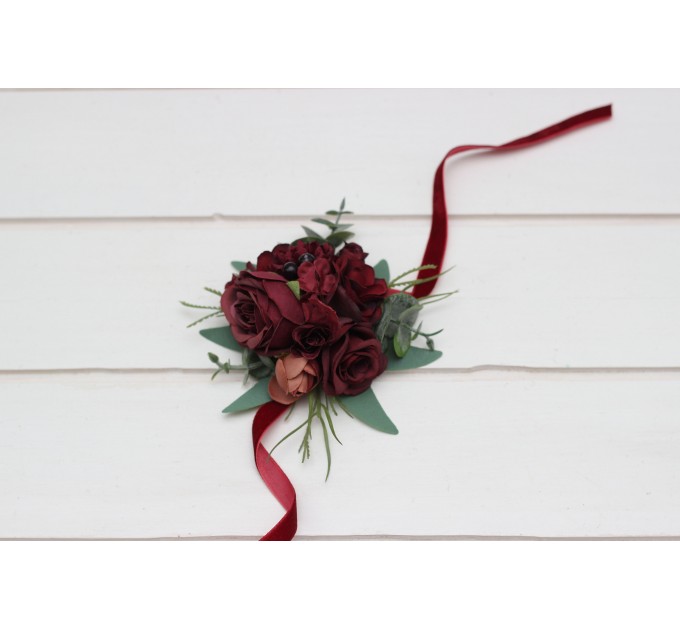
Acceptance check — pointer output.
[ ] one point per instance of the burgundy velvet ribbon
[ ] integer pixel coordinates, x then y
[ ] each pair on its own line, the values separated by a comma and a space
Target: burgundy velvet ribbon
436, 243
275, 479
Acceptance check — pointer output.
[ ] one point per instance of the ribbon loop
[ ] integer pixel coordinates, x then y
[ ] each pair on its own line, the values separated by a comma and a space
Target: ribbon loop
436, 243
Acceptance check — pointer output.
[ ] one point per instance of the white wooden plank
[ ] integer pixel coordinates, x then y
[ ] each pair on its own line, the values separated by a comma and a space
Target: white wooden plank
533, 292
497, 454
244, 152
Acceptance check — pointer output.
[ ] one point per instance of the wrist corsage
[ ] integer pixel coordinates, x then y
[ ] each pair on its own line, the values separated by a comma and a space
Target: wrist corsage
315, 321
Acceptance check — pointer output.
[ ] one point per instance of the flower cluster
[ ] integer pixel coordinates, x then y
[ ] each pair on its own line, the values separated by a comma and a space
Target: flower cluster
313, 310
313, 319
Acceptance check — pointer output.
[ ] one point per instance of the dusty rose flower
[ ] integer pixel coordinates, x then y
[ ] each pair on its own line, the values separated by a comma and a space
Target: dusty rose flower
294, 376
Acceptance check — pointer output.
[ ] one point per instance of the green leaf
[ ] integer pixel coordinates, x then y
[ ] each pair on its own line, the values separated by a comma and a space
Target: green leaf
325, 222
393, 307
337, 238
222, 337
402, 341
382, 270
414, 358
257, 395
410, 315
403, 336
312, 234
365, 407
294, 286
342, 204
239, 265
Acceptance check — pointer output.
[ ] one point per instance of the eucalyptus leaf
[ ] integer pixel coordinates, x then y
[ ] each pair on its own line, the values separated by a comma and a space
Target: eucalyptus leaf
414, 358
385, 325
403, 336
266, 361
257, 395
325, 222
402, 341
239, 265
312, 234
365, 407
382, 270
410, 315
337, 238
393, 306
222, 337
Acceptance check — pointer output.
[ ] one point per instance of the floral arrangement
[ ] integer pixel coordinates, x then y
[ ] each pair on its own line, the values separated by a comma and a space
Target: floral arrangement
313, 319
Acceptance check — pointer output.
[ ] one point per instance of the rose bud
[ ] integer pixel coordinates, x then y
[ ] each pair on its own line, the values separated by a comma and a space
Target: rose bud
293, 377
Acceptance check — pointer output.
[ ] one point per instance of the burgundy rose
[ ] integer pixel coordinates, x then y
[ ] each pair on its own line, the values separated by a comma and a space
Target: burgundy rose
359, 283
321, 328
275, 260
351, 363
318, 277
293, 377
262, 311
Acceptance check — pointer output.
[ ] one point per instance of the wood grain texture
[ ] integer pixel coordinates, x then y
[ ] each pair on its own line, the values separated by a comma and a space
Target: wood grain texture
274, 152
533, 292
149, 455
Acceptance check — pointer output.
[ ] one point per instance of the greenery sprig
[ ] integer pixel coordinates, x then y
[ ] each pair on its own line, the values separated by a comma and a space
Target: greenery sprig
339, 232
405, 285
216, 310
252, 364
320, 407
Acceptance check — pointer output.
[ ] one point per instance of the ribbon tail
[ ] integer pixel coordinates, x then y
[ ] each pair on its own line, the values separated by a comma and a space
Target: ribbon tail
436, 243
275, 479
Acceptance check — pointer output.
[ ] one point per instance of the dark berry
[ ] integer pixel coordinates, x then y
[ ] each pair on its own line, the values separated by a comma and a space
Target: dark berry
307, 257
290, 271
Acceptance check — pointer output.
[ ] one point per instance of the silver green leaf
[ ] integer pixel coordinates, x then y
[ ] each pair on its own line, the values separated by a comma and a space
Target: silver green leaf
257, 395
365, 407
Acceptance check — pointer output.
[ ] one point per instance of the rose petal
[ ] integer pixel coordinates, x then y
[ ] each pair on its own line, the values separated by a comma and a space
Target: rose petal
294, 383
294, 365
280, 374
279, 395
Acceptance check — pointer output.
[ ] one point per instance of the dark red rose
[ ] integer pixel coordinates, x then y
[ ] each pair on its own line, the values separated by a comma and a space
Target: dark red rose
321, 328
262, 310
351, 363
318, 278
359, 283
283, 253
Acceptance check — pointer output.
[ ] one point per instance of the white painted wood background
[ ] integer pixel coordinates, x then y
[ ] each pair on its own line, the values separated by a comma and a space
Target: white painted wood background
553, 413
